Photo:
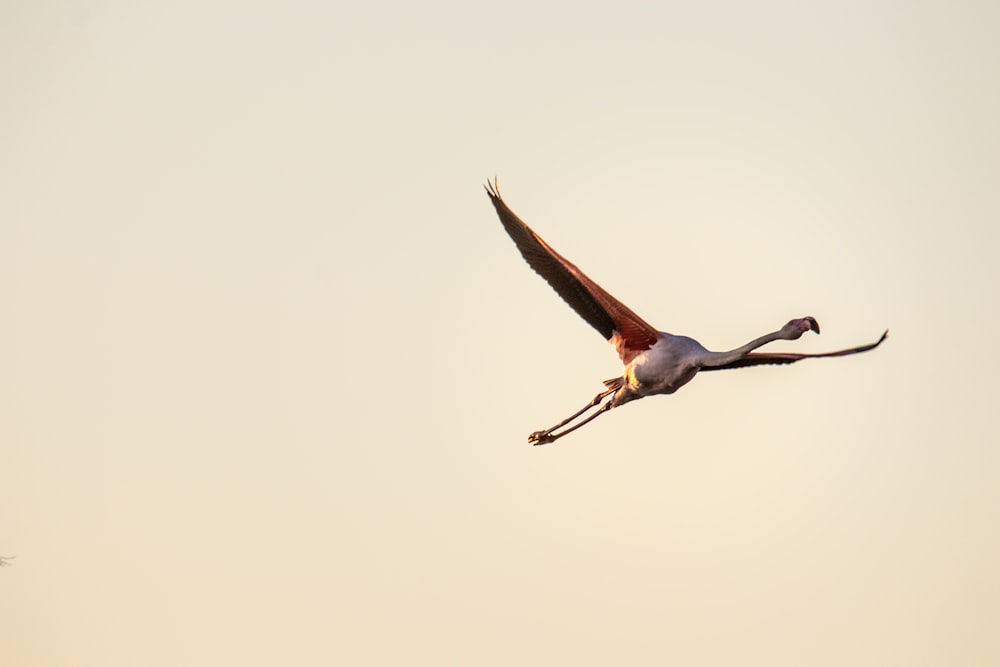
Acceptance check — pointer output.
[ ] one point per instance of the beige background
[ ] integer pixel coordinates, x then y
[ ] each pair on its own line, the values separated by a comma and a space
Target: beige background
268, 360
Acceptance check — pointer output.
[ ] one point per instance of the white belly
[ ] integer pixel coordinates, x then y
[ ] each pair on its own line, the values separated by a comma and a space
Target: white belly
662, 369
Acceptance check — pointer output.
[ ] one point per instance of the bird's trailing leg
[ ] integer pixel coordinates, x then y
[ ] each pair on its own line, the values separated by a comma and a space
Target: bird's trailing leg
545, 437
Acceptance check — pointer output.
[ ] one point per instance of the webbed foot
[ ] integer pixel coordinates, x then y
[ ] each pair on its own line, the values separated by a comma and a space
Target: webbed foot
540, 438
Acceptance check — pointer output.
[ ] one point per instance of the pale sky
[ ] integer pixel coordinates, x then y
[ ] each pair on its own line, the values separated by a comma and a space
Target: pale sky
268, 361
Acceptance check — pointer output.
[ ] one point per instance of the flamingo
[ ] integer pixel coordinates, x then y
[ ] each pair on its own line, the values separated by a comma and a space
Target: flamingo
656, 362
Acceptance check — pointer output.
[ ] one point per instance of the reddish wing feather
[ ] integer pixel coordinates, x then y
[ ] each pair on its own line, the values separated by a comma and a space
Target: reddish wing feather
763, 358
629, 333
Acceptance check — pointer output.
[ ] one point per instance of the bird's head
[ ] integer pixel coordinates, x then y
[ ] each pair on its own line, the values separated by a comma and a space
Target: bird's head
794, 329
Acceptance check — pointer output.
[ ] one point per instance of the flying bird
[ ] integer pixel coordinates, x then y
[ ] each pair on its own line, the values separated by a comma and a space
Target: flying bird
655, 362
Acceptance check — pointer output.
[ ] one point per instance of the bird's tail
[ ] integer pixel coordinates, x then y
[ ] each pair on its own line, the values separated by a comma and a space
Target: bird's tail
615, 383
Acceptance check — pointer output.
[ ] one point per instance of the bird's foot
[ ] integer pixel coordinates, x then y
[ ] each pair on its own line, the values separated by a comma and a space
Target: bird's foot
540, 438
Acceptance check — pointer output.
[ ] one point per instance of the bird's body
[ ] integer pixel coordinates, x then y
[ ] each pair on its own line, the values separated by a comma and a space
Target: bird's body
671, 363
656, 362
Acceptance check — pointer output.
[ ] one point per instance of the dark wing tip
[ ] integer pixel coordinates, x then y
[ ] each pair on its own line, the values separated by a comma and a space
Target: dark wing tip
493, 189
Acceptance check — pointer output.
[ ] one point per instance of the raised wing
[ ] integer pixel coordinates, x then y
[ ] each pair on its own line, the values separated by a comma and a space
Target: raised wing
629, 333
762, 358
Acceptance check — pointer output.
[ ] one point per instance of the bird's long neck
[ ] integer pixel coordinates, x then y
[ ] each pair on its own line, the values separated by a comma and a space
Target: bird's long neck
723, 358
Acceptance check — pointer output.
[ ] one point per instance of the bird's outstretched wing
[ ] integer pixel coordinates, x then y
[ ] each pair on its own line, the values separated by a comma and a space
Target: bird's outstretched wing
762, 358
628, 332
